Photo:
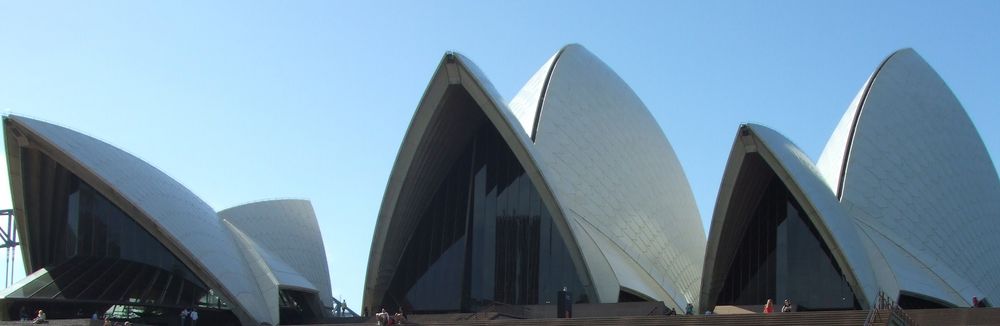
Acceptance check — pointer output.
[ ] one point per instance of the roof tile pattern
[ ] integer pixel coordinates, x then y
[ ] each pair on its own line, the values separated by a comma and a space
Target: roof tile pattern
919, 173
600, 163
188, 222
610, 165
286, 233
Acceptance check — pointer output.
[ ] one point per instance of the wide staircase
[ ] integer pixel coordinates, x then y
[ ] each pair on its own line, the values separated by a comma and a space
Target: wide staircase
957, 316
832, 318
883, 312
64, 322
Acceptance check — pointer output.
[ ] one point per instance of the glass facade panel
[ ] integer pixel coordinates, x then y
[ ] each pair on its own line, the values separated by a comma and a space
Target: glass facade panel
908, 300
100, 284
157, 288
782, 256
87, 243
137, 286
295, 307
485, 237
116, 289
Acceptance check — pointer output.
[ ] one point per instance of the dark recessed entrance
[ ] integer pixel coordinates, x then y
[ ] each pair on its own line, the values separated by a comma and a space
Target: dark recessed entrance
780, 254
485, 237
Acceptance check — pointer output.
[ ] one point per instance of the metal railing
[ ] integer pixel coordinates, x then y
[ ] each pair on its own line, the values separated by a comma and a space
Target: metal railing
344, 311
894, 313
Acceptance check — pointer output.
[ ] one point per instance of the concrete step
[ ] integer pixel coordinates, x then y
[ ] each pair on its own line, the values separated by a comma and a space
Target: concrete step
956, 316
832, 318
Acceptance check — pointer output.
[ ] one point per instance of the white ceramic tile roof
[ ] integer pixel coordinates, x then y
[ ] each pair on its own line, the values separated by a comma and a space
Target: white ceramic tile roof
182, 219
805, 183
286, 234
612, 169
831, 161
625, 201
263, 273
918, 172
916, 182
525, 104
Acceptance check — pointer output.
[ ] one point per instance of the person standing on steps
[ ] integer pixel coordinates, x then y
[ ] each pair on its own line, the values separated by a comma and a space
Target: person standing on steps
769, 306
194, 317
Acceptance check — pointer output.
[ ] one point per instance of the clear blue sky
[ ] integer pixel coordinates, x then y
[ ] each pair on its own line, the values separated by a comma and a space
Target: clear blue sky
242, 101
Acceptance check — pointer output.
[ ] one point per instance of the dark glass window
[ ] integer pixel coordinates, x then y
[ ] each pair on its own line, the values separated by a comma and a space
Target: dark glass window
628, 296
782, 256
909, 300
297, 307
484, 238
91, 248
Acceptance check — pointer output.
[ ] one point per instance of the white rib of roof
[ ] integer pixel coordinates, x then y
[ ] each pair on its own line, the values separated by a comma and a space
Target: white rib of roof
914, 170
528, 101
184, 223
804, 182
286, 235
262, 271
616, 178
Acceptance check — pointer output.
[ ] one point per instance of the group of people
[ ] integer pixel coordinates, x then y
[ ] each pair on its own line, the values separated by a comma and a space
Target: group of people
385, 319
769, 306
189, 317
341, 308
107, 320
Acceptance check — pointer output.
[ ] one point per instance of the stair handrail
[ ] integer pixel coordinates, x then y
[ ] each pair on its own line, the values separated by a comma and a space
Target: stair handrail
898, 312
894, 311
877, 306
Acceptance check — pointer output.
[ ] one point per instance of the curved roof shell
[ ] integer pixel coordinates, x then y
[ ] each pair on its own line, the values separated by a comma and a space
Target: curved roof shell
600, 162
911, 167
804, 182
615, 176
419, 167
174, 215
283, 237
903, 176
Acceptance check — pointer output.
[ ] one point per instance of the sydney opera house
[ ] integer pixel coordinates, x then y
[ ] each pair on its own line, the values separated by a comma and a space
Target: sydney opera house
573, 185
101, 228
